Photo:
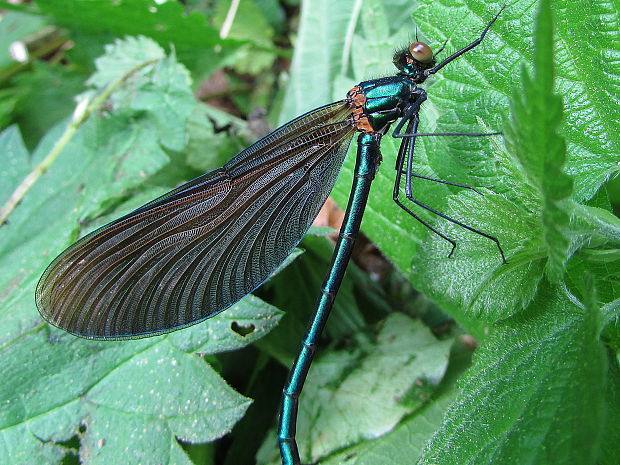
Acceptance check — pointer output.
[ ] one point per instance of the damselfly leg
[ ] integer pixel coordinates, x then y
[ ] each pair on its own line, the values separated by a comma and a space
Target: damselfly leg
405, 156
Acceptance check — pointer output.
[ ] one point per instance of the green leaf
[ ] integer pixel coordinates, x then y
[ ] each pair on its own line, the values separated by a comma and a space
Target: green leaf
609, 452
249, 24
163, 93
115, 397
145, 391
44, 97
401, 445
172, 387
475, 279
532, 136
15, 161
588, 82
222, 333
611, 311
196, 41
313, 67
535, 393
598, 221
121, 57
343, 382
405, 353
406, 442
143, 439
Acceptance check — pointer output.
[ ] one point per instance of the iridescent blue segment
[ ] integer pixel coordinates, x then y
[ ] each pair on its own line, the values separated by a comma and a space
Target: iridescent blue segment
367, 162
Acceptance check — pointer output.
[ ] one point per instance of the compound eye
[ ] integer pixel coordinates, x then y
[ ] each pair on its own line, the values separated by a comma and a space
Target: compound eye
421, 52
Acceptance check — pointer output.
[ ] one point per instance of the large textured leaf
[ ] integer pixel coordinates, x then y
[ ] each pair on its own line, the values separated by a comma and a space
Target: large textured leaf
353, 380
536, 393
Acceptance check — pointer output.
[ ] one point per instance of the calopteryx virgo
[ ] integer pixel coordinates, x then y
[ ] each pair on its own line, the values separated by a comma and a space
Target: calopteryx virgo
193, 252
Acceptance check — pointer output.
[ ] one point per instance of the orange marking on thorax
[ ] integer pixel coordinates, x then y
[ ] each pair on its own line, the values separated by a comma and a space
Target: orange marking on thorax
359, 118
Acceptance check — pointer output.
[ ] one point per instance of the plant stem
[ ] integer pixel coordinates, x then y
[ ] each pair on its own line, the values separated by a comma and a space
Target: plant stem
82, 112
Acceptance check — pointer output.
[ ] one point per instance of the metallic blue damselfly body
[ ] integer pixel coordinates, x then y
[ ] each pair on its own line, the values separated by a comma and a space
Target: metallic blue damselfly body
195, 251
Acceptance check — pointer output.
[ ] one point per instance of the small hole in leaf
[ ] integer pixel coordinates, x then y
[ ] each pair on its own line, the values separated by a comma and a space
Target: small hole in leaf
242, 330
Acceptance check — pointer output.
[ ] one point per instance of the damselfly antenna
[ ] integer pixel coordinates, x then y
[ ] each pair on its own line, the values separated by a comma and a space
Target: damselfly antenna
465, 49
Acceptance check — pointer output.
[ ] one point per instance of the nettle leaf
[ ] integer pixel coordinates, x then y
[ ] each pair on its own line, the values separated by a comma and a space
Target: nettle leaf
130, 396
405, 352
401, 445
240, 325
14, 161
121, 57
406, 442
197, 42
346, 399
603, 222
475, 279
161, 91
536, 391
532, 136
588, 82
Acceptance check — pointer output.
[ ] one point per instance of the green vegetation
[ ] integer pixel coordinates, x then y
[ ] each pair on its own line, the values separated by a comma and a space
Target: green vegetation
104, 117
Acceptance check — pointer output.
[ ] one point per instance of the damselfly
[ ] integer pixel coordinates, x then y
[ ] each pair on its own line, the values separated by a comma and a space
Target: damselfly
193, 252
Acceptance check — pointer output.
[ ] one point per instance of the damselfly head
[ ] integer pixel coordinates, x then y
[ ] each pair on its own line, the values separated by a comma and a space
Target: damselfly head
414, 60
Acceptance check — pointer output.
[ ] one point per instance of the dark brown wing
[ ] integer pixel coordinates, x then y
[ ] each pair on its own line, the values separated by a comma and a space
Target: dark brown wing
197, 250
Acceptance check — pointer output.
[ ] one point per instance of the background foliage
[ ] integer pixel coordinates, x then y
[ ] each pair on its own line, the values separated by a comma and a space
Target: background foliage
395, 381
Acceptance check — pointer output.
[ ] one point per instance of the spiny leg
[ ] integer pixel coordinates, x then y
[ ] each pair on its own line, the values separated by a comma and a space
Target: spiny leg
405, 152
464, 186
409, 194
